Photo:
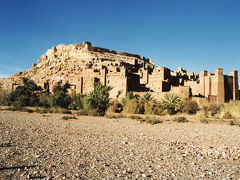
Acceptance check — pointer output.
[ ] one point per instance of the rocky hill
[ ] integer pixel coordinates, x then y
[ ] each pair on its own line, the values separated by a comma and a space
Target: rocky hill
82, 65
68, 63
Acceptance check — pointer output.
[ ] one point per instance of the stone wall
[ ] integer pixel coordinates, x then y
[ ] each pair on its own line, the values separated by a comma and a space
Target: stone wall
82, 65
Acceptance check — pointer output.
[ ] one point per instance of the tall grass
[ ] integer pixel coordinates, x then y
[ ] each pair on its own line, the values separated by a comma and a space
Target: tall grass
232, 108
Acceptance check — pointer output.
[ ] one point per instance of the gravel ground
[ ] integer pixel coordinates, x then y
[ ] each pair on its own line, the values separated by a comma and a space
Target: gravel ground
35, 146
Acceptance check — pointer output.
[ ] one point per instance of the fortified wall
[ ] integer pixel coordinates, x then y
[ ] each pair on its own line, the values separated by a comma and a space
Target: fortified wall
82, 65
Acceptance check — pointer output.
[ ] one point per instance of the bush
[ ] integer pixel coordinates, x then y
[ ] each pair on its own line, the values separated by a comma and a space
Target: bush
153, 108
4, 97
118, 106
77, 101
135, 117
115, 107
111, 109
152, 120
47, 100
69, 117
116, 116
214, 109
25, 95
60, 110
133, 107
60, 97
189, 106
147, 97
180, 119
205, 111
42, 111
232, 108
98, 99
94, 112
128, 97
233, 122
203, 120
22, 109
170, 102
82, 112
227, 115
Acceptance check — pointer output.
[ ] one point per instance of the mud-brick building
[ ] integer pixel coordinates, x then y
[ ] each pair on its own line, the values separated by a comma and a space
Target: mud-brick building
82, 65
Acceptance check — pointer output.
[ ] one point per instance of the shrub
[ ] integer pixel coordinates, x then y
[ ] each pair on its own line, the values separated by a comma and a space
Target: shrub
153, 108
129, 96
4, 97
147, 97
189, 106
60, 97
25, 95
133, 107
116, 116
60, 110
180, 119
26, 110
233, 109
170, 102
42, 111
82, 112
22, 109
203, 120
232, 122
98, 99
152, 120
111, 109
135, 117
214, 109
118, 106
47, 100
205, 111
77, 101
94, 112
115, 107
227, 115
69, 117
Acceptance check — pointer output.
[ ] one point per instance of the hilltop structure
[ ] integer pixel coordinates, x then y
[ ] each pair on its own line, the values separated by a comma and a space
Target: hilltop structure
82, 65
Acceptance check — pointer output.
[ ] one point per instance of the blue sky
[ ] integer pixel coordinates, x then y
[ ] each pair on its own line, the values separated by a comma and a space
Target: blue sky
193, 34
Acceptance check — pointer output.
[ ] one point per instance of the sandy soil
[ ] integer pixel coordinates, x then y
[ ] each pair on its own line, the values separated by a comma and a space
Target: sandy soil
35, 146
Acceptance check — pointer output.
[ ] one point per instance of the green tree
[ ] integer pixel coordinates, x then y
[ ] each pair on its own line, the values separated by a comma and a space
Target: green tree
129, 96
77, 101
60, 94
4, 97
170, 102
147, 97
133, 106
25, 95
98, 99
58, 98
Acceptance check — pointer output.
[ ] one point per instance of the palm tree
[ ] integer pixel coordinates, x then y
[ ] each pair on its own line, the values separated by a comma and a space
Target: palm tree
147, 97
170, 102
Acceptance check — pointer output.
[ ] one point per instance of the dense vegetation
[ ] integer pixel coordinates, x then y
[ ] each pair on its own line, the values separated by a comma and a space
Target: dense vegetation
29, 94
98, 103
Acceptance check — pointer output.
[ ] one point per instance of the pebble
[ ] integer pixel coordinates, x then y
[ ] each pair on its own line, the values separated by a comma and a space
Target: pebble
99, 148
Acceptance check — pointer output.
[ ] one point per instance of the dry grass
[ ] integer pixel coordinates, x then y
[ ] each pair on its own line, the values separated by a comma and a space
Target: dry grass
231, 108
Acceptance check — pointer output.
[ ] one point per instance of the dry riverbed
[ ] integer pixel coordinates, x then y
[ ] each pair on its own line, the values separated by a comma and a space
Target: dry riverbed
35, 146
